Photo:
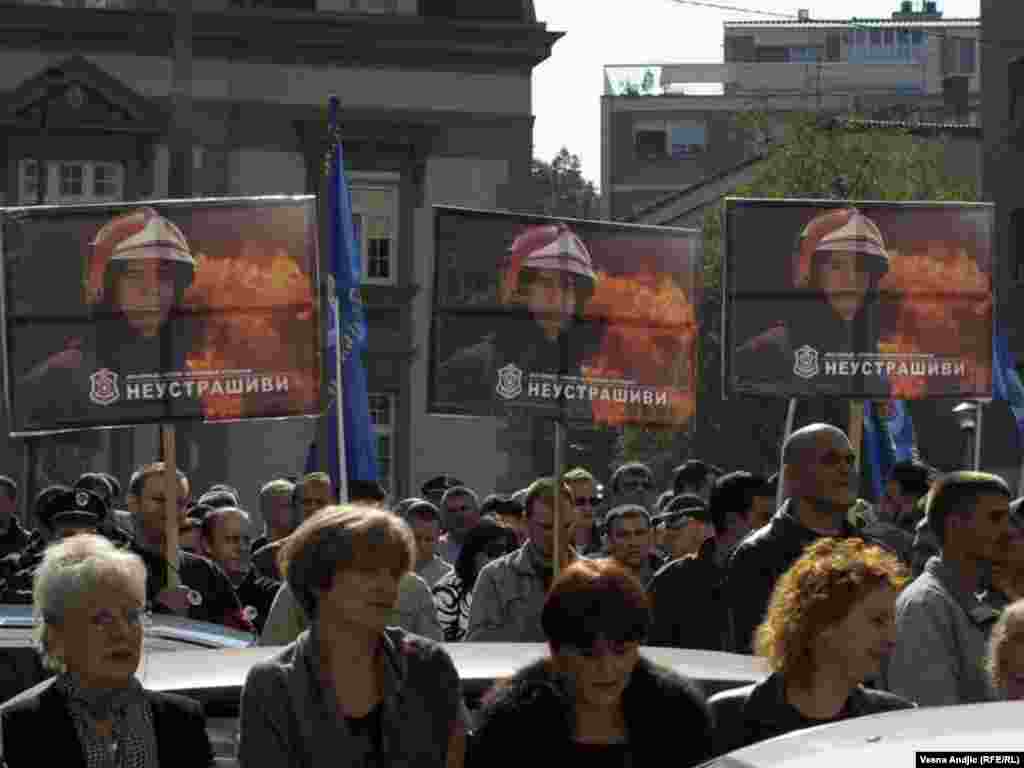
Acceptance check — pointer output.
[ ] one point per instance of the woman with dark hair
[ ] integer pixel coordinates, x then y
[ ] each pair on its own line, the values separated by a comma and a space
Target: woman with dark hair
453, 594
829, 626
595, 700
839, 260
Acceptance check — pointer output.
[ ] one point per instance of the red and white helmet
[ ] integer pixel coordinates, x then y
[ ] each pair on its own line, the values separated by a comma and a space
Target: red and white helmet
548, 246
841, 229
139, 234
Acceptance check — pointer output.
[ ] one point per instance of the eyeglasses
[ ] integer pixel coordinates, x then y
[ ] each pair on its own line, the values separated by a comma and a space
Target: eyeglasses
678, 523
104, 619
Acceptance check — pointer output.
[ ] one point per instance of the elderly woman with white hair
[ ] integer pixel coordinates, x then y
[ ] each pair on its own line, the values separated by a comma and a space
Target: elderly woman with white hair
90, 608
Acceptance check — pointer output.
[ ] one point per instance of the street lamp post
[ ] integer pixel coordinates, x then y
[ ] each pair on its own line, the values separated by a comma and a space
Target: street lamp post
967, 417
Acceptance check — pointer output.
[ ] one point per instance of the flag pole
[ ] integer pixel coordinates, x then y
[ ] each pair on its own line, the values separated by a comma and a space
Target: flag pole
559, 511
780, 493
171, 519
339, 411
979, 421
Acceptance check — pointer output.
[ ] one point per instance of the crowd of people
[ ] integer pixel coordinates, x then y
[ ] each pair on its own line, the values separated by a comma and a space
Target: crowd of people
856, 609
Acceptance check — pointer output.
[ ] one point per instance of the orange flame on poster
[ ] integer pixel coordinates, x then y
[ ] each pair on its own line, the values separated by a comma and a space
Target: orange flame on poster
651, 339
945, 309
247, 305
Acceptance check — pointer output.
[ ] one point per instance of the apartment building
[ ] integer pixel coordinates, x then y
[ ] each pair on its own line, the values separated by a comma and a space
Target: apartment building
668, 126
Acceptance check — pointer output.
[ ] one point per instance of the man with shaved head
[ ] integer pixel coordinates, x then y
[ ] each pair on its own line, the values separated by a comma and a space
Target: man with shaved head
818, 471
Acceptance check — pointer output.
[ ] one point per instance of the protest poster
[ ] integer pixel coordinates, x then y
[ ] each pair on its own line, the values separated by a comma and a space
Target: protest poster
160, 311
579, 320
858, 299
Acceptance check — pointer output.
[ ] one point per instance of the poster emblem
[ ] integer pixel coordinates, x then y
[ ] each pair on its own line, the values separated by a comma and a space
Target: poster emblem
510, 382
103, 387
805, 363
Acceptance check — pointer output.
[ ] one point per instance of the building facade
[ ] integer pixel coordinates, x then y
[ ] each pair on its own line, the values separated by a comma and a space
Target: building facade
435, 109
671, 126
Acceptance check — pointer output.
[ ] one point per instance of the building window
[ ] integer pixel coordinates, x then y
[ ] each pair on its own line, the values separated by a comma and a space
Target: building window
959, 56
382, 408
107, 183
688, 138
650, 143
663, 139
967, 56
72, 181
28, 181
804, 54
375, 213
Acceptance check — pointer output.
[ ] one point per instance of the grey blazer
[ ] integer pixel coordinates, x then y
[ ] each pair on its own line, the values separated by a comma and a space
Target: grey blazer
288, 718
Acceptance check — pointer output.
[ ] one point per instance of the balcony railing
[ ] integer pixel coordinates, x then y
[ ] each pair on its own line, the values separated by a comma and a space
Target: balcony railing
769, 77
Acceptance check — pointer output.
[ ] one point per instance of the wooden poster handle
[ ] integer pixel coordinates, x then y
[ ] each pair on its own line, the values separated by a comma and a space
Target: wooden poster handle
171, 519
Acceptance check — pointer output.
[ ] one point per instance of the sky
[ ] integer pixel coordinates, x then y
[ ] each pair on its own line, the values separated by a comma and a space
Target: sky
567, 87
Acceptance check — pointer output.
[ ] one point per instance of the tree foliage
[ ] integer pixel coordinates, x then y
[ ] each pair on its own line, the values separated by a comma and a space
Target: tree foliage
559, 188
873, 164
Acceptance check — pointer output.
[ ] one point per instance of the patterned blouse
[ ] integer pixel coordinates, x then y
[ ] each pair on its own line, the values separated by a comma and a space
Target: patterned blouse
452, 607
132, 743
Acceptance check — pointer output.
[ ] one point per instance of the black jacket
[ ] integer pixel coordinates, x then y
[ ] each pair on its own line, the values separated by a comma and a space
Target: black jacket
256, 594
218, 602
530, 718
690, 607
757, 712
36, 729
757, 563
14, 540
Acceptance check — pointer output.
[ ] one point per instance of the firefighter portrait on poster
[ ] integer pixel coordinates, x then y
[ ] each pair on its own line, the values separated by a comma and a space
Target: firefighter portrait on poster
590, 321
159, 330
548, 282
867, 301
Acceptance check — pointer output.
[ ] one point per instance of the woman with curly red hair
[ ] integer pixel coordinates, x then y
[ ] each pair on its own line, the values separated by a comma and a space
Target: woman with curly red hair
829, 626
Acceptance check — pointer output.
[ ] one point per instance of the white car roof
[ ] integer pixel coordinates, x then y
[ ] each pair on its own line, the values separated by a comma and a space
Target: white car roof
476, 663
888, 739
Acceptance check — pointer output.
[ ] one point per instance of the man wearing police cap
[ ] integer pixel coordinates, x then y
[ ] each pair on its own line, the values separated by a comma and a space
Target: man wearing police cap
839, 259
548, 279
136, 274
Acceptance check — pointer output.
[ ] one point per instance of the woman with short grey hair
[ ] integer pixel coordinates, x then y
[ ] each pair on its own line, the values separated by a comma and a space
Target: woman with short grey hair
90, 607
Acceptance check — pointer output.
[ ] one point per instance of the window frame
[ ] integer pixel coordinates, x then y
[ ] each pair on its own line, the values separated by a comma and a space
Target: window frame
377, 182
384, 430
54, 181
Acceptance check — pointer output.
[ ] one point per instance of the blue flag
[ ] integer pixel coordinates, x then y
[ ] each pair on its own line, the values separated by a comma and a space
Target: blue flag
879, 451
901, 429
344, 269
1006, 383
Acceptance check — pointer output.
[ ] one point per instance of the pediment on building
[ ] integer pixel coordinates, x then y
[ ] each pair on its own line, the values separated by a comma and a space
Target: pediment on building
76, 95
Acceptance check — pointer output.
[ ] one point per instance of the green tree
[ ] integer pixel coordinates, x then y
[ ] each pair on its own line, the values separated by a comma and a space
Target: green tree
874, 164
559, 188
